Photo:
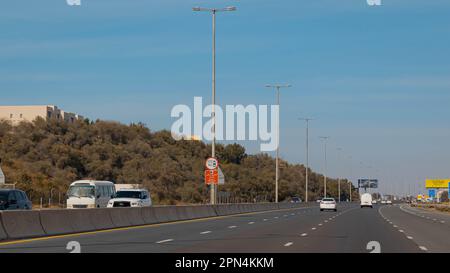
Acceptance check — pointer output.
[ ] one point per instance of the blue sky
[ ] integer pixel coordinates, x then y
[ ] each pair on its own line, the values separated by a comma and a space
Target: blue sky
376, 79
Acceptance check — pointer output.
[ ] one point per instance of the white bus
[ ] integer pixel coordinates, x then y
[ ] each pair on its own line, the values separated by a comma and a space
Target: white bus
90, 194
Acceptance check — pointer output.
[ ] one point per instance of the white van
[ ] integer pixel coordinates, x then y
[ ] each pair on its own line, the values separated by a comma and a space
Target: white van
90, 194
366, 200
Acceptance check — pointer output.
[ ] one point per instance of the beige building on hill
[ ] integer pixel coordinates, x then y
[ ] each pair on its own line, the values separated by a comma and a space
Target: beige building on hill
16, 114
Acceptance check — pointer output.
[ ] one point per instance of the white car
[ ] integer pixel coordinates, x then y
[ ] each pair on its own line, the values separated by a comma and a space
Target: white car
131, 198
374, 201
389, 202
328, 204
383, 201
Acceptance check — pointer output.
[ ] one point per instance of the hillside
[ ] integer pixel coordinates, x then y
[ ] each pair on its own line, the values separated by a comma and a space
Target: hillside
42, 156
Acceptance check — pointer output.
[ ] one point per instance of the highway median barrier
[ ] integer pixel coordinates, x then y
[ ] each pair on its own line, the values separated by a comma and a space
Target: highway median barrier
149, 215
125, 217
166, 214
37, 223
3, 235
100, 218
22, 224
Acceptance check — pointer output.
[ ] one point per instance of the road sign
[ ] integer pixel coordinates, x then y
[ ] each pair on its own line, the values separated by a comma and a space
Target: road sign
437, 183
2, 177
368, 183
221, 177
432, 193
212, 163
211, 177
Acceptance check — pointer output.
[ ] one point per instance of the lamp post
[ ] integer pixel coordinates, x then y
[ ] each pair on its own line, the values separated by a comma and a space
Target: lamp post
213, 11
324, 139
277, 87
307, 156
339, 175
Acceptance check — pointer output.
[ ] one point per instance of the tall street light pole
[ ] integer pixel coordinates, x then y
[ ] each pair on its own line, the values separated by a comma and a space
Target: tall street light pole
324, 139
213, 11
307, 156
339, 175
277, 87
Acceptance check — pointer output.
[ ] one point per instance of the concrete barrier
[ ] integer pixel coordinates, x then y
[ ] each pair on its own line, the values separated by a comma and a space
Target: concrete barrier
25, 224
149, 216
125, 217
22, 224
56, 222
166, 214
3, 235
184, 213
100, 218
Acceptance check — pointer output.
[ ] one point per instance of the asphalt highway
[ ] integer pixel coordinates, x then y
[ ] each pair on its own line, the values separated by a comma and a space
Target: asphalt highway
385, 229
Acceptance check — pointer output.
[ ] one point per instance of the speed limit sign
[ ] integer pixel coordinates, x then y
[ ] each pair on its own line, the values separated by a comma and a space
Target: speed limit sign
212, 163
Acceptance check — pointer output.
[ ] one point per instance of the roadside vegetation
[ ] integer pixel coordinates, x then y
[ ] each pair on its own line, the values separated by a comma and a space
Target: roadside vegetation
44, 157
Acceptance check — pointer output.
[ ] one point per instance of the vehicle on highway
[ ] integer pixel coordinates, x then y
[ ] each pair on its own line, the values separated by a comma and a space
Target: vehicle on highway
366, 200
388, 202
374, 201
90, 194
383, 201
131, 198
296, 199
328, 204
12, 199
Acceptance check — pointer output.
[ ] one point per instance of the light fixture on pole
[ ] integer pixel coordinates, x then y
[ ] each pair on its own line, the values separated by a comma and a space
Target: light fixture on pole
213, 11
277, 87
307, 156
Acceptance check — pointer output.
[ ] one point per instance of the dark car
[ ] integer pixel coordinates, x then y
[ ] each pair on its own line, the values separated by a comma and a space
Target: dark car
14, 199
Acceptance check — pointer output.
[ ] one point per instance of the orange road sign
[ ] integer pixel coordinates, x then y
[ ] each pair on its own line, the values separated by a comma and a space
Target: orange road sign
212, 177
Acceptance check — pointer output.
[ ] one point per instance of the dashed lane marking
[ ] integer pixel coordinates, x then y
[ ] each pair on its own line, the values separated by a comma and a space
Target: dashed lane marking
205, 232
423, 248
289, 244
164, 241
232, 227
304, 234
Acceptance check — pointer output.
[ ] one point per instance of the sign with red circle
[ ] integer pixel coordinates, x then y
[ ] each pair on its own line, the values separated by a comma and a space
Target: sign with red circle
212, 163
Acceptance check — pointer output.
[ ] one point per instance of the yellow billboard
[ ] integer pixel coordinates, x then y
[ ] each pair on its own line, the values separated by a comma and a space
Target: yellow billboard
436, 183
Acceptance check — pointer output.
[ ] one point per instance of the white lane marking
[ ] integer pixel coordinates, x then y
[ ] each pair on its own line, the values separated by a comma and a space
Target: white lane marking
401, 230
442, 222
326, 221
289, 244
330, 219
251, 223
320, 224
434, 220
304, 234
285, 215
292, 214
395, 226
164, 241
409, 237
313, 228
276, 217
423, 248
264, 219
232, 227
205, 232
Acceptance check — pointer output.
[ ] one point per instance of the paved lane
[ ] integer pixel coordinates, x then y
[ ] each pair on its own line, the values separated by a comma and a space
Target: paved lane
430, 230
